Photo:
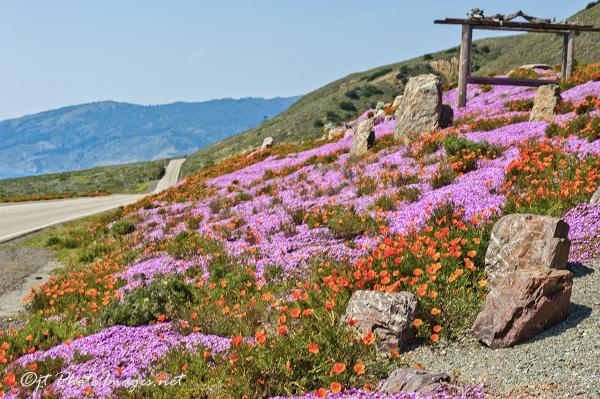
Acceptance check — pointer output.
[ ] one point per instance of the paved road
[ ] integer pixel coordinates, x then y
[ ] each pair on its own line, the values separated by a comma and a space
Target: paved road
171, 175
22, 218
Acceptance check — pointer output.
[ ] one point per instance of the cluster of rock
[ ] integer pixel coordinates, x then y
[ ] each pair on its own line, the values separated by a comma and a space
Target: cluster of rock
529, 292
529, 289
418, 110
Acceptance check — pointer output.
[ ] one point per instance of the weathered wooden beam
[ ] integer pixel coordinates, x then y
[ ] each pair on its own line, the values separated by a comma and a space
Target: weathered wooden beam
502, 25
464, 66
482, 80
569, 52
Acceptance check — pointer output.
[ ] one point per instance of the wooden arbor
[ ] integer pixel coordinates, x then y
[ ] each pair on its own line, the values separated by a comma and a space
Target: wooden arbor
464, 71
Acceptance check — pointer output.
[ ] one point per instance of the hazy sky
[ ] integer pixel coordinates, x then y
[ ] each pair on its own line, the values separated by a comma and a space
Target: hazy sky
56, 53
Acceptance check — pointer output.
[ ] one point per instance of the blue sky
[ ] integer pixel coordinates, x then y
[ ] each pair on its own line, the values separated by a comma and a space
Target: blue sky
56, 53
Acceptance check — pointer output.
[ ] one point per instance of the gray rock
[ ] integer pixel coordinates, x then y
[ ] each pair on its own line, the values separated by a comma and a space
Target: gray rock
364, 138
420, 109
388, 315
413, 380
267, 143
380, 106
526, 242
544, 103
523, 304
595, 200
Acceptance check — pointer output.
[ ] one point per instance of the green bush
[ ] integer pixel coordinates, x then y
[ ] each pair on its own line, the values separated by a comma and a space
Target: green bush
164, 296
347, 106
123, 227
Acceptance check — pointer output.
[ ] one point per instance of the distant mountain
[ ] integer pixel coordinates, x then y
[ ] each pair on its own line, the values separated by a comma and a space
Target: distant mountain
108, 132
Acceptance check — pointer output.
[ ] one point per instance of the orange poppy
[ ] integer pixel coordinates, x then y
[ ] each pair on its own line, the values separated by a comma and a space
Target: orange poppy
338, 368
335, 387
359, 368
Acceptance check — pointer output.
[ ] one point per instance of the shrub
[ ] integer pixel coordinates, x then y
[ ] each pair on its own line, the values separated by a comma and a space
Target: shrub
408, 194
486, 88
333, 117
370, 90
385, 203
218, 204
378, 74
123, 227
347, 106
486, 125
546, 180
366, 186
94, 253
443, 176
522, 73
427, 57
164, 296
353, 94
343, 222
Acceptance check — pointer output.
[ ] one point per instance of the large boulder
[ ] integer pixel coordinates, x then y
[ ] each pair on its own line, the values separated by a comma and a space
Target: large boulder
448, 68
420, 109
364, 137
388, 315
523, 304
546, 99
526, 242
413, 380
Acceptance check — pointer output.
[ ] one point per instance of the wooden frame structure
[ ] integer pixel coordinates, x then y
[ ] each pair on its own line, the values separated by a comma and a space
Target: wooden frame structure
464, 70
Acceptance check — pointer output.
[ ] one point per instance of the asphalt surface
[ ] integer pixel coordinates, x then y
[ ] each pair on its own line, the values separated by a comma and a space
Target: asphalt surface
19, 219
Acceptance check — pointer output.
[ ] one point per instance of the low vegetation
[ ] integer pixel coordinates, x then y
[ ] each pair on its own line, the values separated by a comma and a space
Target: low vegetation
129, 178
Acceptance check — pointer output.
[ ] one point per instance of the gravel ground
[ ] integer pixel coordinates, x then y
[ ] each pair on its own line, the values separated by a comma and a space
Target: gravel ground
21, 268
562, 362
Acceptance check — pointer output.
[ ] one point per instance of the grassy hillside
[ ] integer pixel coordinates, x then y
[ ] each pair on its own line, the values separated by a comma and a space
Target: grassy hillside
130, 178
346, 97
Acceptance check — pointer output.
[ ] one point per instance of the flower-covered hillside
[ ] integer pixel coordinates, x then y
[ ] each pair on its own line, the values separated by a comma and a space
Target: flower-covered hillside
239, 276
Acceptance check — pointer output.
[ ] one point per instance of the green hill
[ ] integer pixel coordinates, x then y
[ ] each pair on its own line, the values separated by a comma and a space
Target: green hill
346, 97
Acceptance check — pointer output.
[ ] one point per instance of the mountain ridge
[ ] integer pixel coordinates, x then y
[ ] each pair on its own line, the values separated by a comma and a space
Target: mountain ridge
110, 132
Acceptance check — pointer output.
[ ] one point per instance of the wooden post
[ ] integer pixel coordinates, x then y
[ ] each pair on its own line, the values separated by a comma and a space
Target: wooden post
569, 50
563, 70
464, 67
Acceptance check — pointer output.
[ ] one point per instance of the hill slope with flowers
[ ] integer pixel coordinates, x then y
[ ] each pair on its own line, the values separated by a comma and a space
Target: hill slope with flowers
239, 276
340, 100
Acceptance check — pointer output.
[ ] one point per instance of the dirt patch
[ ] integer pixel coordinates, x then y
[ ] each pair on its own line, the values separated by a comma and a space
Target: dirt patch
21, 269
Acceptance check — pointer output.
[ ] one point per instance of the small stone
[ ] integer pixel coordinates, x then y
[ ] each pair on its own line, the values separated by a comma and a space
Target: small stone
413, 380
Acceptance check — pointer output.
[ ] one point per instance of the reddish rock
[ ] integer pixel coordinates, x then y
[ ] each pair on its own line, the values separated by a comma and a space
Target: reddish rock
523, 304
388, 315
526, 242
